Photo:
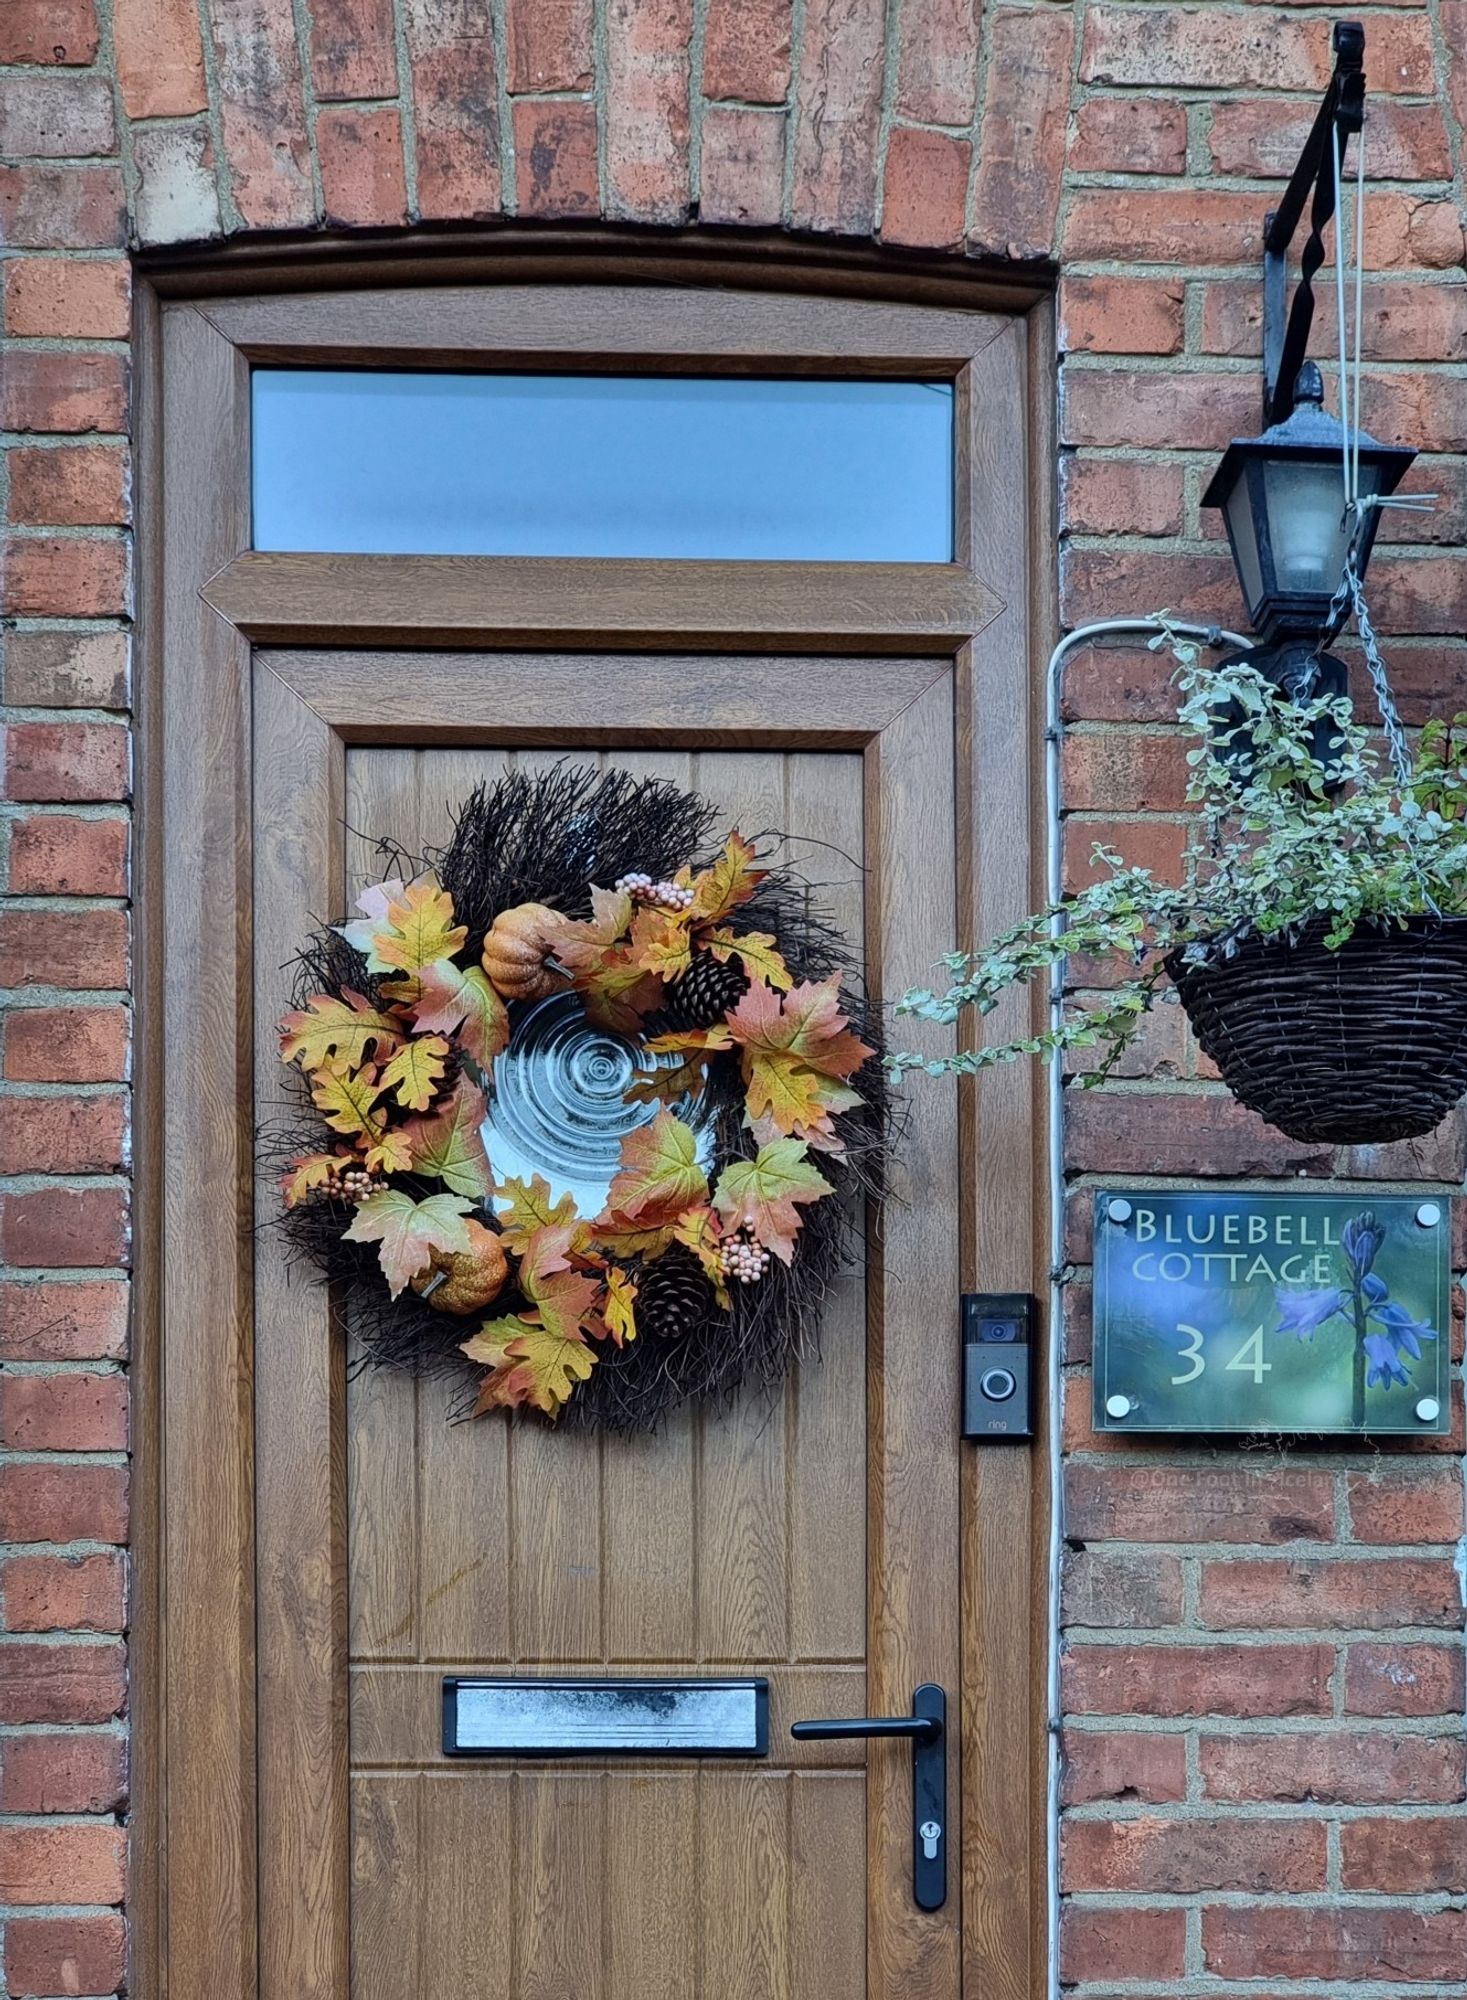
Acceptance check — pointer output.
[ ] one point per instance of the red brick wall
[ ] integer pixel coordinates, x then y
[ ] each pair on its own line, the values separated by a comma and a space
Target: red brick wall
1264, 1757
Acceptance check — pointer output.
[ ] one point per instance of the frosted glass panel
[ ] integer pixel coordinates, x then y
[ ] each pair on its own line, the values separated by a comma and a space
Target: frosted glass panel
542, 465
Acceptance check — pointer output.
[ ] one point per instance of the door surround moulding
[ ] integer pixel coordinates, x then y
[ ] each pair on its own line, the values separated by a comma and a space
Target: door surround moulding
194, 1909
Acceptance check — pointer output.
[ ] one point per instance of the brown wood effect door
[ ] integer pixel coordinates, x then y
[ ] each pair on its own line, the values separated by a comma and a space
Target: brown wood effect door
815, 1540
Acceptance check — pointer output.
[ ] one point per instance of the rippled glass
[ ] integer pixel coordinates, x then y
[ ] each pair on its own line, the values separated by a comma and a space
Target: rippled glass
559, 1103
600, 465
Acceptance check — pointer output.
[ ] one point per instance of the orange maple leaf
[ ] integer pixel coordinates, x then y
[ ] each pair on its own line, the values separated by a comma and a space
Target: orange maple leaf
761, 1194
527, 1364
566, 1301
459, 1002
795, 1053
729, 881
407, 1232
661, 943
418, 930
659, 1174
618, 992
580, 944
448, 1144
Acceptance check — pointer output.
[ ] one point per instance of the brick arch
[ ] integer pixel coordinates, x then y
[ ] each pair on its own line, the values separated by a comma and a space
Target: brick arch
939, 127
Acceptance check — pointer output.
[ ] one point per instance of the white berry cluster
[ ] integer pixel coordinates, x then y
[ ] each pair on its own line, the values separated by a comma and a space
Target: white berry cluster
666, 895
740, 1257
354, 1184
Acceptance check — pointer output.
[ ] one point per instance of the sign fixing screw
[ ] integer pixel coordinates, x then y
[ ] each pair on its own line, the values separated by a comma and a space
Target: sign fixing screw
1118, 1211
1428, 1215
1428, 1410
1118, 1406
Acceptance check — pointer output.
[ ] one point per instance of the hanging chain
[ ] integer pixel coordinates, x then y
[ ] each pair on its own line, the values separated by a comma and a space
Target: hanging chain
1350, 596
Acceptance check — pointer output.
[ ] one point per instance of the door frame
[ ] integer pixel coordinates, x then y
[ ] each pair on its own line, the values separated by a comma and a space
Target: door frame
205, 601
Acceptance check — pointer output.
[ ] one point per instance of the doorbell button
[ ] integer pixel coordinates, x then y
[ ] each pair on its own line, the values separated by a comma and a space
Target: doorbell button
999, 1366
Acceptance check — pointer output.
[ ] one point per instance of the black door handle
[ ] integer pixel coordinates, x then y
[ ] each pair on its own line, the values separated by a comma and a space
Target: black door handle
925, 1726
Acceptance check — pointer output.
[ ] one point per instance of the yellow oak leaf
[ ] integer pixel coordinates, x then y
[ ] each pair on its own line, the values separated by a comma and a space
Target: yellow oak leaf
347, 1030
414, 1071
419, 929
529, 1364
392, 1154
407, 1232
731, 880
452, 1000
448, 1144
756, 950
621, 1299
698, 1230
761, 1194
347, 1100
314, 1171
659, 1174
522, 1209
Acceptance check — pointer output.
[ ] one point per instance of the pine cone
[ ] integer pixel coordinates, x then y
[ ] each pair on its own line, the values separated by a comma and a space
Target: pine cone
704, 994
672, 1296
453, 1066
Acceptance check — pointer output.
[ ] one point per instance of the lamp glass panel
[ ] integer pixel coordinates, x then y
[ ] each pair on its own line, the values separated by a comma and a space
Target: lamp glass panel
1306, 524
1243, 534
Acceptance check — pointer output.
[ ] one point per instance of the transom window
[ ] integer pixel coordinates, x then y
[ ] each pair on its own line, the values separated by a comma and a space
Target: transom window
365, 463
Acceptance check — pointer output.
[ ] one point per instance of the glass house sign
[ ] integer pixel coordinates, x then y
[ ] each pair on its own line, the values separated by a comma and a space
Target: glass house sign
1223, 1310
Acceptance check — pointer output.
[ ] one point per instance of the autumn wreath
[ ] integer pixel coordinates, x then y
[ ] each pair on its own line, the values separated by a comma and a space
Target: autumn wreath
581, 1078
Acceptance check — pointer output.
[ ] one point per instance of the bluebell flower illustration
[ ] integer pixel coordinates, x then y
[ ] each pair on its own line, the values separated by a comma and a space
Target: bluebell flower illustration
1406, 1332
1361, 1241
1302, 1312
1385, 1362
1387, 1334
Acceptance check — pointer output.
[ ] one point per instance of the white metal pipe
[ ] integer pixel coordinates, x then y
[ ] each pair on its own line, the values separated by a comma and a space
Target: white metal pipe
1054, 887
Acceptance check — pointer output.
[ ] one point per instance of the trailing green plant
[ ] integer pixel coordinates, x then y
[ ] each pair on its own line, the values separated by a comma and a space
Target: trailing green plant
1280, 842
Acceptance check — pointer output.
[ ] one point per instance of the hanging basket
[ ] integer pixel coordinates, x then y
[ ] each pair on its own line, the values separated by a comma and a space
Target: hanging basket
1348, 1047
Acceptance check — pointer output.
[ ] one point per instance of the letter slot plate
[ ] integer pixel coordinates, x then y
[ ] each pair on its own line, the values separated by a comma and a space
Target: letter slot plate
604, 1718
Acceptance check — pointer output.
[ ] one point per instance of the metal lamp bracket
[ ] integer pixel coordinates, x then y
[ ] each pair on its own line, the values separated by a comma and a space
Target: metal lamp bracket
1285, 328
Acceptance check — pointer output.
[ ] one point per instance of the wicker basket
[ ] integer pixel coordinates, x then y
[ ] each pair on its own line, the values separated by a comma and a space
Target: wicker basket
1352, 1047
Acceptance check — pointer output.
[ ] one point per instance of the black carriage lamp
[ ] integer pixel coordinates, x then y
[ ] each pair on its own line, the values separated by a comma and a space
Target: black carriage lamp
1283, 500
1283, 494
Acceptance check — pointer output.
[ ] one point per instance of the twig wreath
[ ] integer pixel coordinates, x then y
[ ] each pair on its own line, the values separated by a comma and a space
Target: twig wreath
586, 1081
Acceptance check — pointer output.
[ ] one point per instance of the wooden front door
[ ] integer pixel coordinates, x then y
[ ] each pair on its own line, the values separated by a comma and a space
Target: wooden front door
813, 1540
317, 1549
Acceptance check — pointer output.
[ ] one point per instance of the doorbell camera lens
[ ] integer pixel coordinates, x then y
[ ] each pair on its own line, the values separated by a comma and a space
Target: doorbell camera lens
1001, 1329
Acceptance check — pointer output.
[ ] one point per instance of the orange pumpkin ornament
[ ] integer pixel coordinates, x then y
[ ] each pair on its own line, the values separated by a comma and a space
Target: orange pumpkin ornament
515, 950
465, 1281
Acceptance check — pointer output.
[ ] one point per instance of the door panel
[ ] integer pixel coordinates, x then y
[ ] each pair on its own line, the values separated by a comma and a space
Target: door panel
813, 1538
726, 1541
